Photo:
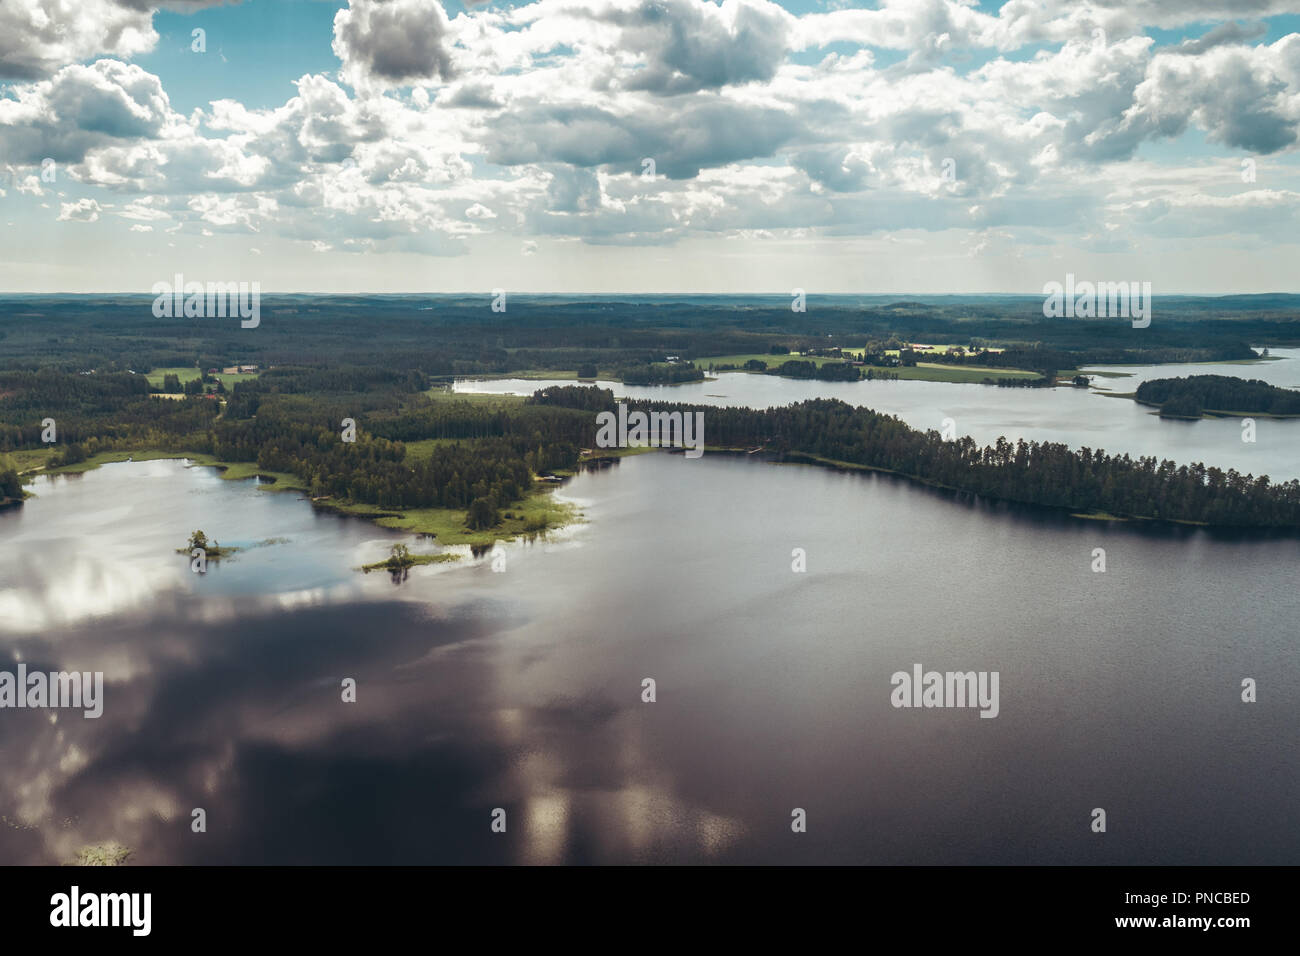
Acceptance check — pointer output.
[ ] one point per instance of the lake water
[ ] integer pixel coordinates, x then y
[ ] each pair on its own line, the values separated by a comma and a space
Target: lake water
1075, 416
522, 690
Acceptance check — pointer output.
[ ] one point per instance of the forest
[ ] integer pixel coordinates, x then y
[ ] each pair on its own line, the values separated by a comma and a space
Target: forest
1194, 395
827, 371
290, 421
378, 362
445, 336
1083, 481
487, 456
651, 374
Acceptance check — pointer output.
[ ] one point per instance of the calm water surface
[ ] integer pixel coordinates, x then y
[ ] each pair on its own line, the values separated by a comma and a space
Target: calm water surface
522, 689
1075, 416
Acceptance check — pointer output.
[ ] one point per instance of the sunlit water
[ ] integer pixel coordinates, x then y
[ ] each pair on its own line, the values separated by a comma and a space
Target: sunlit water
522, 689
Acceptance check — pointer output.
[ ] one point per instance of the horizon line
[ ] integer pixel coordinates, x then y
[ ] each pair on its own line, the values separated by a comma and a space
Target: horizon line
784, 295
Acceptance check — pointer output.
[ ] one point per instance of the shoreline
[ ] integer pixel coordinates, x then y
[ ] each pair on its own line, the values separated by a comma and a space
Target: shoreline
539, 512
536, 514
1206, 413
806, 459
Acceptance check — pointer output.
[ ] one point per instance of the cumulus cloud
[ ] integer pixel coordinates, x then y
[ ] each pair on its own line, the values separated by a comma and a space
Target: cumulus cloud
684, 45
392, 41
1245, 98
82, 108
1222, 35
536, 120
37, 37
83, 210
681, 141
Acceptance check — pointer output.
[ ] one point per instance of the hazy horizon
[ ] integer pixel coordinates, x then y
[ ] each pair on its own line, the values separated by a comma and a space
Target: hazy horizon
784, 295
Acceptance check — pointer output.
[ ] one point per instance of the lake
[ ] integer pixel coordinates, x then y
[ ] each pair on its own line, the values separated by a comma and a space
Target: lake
522, 689
1077, 417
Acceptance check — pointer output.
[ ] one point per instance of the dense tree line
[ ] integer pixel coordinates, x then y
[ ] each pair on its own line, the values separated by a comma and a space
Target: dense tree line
489, 453
487, 462
376, 470
338, 379
370, 358
826, 372
1225, 393
90, 408
462, 336
659, 374
1040, 473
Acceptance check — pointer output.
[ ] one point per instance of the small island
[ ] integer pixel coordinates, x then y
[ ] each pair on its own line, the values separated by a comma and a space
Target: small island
400, 559
1201, 396
211, 550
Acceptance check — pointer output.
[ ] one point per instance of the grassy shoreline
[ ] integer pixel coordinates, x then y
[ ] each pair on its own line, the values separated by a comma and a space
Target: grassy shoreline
537, 513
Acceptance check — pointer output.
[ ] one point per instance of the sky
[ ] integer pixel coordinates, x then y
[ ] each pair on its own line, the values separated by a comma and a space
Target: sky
601, 146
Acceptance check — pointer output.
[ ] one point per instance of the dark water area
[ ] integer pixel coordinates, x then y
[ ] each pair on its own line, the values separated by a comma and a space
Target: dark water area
521, 689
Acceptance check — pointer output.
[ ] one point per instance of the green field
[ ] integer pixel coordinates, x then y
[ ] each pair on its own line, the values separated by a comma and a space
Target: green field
477, 398
31, 459
936, 372
772, 360
188, 374
926, 348
921, 372
561, 374
422, 449
184, 374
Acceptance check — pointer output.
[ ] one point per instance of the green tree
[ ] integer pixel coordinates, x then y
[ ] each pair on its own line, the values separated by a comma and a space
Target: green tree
11, 486
72, 455
482, 514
